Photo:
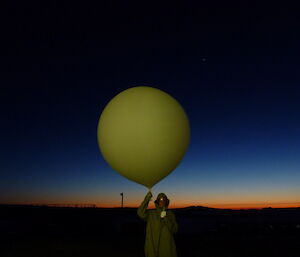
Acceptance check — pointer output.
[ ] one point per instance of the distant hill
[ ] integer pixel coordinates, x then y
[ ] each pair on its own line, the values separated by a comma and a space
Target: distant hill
198, 207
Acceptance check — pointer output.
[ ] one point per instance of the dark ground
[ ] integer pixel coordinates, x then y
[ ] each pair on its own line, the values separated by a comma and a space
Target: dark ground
56, 231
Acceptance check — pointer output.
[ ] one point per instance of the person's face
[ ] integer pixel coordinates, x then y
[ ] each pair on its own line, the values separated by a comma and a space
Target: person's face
161, 202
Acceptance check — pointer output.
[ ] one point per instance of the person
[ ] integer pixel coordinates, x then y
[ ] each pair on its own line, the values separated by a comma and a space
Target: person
161, 227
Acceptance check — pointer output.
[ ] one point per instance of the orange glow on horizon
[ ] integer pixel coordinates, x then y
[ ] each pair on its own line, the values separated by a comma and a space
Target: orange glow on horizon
217, 206
234, 206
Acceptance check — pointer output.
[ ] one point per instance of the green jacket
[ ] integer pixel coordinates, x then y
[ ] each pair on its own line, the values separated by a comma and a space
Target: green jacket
159, 231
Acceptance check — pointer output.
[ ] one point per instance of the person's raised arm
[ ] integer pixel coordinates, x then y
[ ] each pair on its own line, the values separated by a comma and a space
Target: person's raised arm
142, 210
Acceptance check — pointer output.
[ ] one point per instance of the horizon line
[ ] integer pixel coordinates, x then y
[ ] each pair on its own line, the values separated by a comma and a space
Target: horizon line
230, 206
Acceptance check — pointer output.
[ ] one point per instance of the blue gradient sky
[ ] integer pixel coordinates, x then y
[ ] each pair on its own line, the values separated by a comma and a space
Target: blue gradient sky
235, 76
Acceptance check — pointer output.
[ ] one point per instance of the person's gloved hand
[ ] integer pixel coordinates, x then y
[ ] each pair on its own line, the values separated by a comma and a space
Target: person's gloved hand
163, 214
148, 196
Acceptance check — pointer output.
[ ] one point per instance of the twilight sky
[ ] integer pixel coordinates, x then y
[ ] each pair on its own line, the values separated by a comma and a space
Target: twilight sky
234, 69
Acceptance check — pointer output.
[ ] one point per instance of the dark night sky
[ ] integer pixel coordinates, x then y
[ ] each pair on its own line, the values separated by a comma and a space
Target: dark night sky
234, 68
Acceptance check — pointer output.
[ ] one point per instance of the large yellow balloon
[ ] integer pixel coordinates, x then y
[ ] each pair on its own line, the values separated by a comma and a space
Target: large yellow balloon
143, 134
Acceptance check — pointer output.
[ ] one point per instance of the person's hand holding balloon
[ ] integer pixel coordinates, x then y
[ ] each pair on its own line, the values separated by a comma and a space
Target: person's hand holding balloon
149, 196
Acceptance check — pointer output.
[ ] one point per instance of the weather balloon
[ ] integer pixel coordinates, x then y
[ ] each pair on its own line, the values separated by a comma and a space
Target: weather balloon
143, 133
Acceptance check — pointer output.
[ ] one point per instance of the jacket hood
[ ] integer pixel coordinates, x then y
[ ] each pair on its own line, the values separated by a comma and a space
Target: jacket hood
159, 196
